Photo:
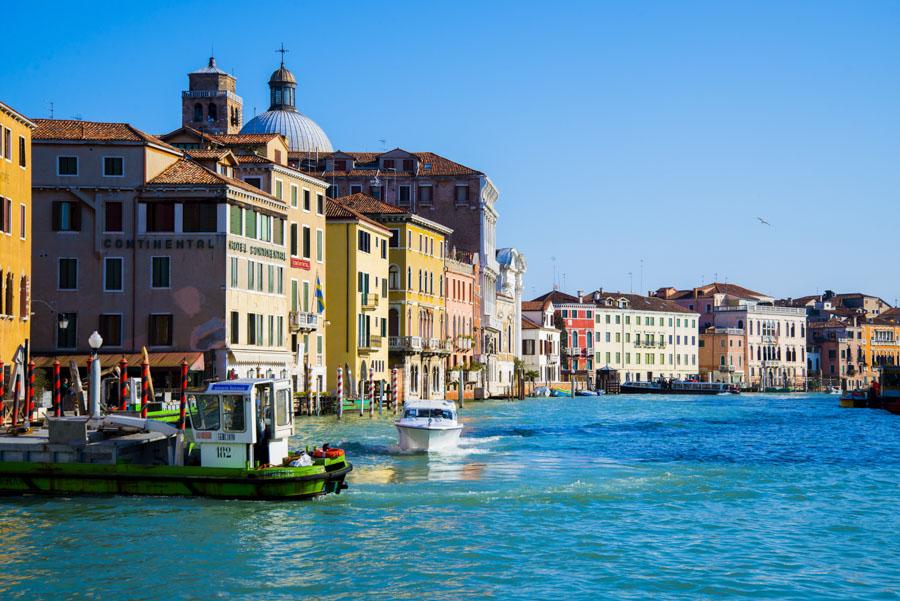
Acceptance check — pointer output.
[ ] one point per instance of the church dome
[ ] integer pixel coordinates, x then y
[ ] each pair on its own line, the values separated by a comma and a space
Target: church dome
302, 133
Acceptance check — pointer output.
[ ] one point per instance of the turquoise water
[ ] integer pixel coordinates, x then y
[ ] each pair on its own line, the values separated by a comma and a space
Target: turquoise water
627, 497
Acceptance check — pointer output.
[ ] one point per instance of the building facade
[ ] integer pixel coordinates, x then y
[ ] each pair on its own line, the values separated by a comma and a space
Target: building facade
540, 341
839, 349
358, 305
575, 321
15, 232
722, 355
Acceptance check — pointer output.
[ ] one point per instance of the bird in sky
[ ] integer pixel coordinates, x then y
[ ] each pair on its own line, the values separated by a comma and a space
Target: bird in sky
764, 222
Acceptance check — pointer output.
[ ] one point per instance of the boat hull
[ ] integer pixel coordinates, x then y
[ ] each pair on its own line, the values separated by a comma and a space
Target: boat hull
63, 479
627, 389
427, 439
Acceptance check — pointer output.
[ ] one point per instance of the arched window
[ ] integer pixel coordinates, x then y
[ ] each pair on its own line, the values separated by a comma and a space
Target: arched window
394, 277
198, 112
590, 342
212, 112
740, 324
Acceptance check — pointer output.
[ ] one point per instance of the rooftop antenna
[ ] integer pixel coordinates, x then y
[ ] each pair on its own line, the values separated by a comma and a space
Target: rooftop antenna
564, 280
51, 109
630, 283
383, 144
555, 276
642, 276
282, 50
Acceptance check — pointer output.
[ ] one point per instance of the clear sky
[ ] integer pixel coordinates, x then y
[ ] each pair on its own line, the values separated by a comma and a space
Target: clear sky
616, 133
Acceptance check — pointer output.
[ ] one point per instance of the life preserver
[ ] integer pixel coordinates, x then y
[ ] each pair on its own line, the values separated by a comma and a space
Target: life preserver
329, 453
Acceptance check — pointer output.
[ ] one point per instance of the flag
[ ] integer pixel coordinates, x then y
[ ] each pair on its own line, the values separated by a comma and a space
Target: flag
320, 296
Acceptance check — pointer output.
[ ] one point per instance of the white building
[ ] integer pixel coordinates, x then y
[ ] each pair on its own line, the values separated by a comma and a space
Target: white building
502, 347
644, 338
775, 341
540, 341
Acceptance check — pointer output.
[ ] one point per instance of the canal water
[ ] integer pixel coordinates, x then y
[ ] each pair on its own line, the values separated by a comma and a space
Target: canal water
783, 497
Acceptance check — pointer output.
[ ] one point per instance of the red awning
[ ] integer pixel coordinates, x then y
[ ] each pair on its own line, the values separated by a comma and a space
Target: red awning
109, 360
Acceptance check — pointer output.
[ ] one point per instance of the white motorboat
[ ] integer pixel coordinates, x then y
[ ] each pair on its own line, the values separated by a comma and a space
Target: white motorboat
834, 390
428, 426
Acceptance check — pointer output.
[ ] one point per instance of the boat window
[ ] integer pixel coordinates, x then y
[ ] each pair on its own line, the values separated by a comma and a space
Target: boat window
204, 411
432, 413
284, 407
233, 413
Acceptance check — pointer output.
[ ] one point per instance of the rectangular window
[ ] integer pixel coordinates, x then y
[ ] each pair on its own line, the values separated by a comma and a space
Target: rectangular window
5, 217
403, 195
462, 194
365, 242
23, 160
320, 204
355, 188
112, 217
306, 296
307, 243
278, 231
160, 272
294, 296
160, 330
256, 182
110, 329
113, 167
295, 195
259, 277
375, 192
235, 327
293, 239
233, 261
271, 278
251, 275
320, 246
265, 227
200, 217
68, 274
395, 239
112, 274
67, 165
160, 217
65, 337
251, 328
66, 216
23, 222
279, 282
306, 200
250, 224
334, 191
279, 189
236, 220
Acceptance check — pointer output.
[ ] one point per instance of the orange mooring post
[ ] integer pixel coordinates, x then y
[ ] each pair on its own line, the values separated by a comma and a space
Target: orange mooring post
29, 395
57, 399
145, 387
182, 405
123, 384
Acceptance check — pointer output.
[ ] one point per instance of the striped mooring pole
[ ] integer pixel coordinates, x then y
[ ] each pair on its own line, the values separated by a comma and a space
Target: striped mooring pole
182, 404
57, 398
371, 393
394, 396
145, 387
2, 395
364, 383
340, 392
29, 396
123, 384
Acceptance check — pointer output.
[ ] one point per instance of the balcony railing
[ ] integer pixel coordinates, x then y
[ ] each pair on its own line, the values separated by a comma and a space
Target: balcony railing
573, 351
463, 343
405, 344
373, 344
436, 345
882, 342
369, 301
302, 321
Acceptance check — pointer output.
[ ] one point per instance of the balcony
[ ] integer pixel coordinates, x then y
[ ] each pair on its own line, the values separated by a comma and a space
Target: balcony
372, 345
302, 321
436, 345
574, 351
405, 344
464, 343
369, 301
883, 342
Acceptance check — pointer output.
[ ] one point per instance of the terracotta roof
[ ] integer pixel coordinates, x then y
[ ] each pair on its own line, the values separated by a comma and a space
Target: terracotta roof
533, 305
529, 324
200, 153
93, 131
336, 210
719, 288
636, 302
189, 172
244, 138
253, 158
802, 301
368, 205
831, 323
556, 297
438, 165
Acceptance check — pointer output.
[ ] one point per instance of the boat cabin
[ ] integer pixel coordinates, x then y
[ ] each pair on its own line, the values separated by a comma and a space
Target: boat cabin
430, 410
889, 382
240, 423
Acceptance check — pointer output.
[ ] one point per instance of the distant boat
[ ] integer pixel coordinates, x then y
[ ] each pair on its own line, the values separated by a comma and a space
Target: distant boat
678, 387
541, 391
834, 390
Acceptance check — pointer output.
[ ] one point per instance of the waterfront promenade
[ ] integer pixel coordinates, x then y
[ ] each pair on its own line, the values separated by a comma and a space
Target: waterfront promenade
782, 497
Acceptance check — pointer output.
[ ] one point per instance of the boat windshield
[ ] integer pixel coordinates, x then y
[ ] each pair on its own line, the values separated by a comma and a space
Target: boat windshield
204, 411
432, 413
233, 413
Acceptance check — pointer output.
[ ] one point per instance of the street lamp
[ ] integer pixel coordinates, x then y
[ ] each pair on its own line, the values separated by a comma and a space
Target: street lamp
95, 341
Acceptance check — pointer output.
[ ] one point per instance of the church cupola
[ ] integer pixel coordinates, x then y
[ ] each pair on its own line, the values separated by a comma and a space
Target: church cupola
282, 88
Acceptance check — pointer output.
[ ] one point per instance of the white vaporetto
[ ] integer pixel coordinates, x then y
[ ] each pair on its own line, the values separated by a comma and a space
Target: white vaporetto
428, 426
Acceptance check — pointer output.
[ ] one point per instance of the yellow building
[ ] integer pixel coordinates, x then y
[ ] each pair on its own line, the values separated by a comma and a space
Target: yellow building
15, 231
418, 346
881, 343
357, 251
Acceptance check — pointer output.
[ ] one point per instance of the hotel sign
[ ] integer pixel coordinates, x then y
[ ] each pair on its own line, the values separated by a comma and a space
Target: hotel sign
161, 243
299, 263
259, 251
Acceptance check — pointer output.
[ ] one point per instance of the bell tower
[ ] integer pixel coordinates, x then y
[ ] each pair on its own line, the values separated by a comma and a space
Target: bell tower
210, 103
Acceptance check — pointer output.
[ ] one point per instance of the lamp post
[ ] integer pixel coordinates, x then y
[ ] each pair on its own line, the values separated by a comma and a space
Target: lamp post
95, 341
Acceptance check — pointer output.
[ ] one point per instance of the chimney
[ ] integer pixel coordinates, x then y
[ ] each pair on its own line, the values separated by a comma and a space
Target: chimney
580, 294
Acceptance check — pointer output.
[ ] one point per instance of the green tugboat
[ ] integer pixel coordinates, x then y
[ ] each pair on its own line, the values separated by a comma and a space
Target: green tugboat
240, 431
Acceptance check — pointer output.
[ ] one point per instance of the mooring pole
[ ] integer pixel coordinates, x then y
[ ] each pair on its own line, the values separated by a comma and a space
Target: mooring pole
182, 404
29, 395
371, 388
340, 393
15, 407
462, 387
362, 397
145, 387
123, 384
394, 396
2, 396
57, 398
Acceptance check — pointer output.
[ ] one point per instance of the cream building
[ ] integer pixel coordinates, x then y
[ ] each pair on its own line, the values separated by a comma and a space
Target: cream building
540, 340
644, 338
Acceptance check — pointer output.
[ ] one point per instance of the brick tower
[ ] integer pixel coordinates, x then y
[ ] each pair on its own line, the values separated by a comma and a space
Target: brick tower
210, 104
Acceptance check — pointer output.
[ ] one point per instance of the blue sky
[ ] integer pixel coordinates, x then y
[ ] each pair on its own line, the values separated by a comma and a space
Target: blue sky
616, 133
